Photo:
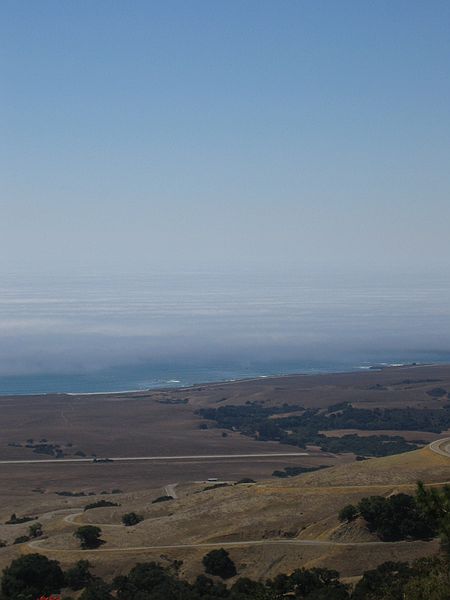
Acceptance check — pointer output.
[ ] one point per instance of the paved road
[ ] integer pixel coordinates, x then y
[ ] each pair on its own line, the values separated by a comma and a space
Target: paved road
133, 458
441, 447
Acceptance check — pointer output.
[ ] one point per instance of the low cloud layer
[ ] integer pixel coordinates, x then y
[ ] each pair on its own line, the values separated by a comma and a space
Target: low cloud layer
87, 324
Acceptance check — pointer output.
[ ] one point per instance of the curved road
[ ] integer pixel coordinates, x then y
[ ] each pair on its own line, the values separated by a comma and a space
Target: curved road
237, 543
36, 544
71, 519
441, 447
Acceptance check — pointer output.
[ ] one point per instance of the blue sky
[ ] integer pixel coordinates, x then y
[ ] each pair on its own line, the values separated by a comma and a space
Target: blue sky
200, 134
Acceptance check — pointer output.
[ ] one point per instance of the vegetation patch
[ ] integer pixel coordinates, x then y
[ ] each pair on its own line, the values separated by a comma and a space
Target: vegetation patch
43, 446
302, 430
398, 517
215, 486
34, 575
89, 536
173, 401
72, 494
371, 445
437, 392
15, 520
162, 499
79, 576
218, 562
100, 504
293, 471
402, 516
131, 518
21, 539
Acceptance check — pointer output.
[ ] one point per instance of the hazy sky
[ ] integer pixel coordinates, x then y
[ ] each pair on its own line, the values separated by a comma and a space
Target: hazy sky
195, 133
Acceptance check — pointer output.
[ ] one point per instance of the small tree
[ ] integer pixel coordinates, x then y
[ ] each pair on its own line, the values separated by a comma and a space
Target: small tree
31, 576
162, 499
131, 518
21, 539
218, 562
348, 513
35, 530
100, 504
89, 536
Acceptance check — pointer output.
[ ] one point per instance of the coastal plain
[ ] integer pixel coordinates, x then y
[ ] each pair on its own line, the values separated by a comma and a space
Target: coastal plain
269, 526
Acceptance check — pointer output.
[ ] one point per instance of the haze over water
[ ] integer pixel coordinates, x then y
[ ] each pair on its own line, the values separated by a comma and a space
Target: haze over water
114, 332
272, 177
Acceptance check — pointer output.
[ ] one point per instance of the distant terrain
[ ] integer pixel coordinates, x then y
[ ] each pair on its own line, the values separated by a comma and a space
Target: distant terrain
362, 434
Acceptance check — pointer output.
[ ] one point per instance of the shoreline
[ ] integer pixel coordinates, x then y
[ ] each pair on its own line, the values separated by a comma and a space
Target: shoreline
376, 367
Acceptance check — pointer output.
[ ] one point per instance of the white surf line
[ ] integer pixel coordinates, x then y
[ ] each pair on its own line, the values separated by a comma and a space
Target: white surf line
155, 458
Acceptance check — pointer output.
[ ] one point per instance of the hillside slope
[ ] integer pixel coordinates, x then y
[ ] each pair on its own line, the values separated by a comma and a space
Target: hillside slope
280, 516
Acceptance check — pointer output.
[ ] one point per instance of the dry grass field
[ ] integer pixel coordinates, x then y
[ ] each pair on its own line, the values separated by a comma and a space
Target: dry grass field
146, 423
289, 522
278, 516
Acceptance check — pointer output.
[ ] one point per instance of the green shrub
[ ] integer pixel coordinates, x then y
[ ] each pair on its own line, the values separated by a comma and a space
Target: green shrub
31, 576
348, 513
131, 518
21, 539
162, 499
15, 520
35, 530
218, 562
100, 504
89, 536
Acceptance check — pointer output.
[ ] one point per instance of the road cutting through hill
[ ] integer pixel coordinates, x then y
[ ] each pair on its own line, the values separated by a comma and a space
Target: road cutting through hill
441, 447
71, 519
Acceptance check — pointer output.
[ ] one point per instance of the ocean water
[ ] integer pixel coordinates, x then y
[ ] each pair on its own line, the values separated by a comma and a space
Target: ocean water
94, 333
149, 376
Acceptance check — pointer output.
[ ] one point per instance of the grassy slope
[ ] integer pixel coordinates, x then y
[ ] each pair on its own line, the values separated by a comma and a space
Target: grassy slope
303, 507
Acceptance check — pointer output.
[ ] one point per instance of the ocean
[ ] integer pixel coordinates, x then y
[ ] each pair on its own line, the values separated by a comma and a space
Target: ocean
103, 333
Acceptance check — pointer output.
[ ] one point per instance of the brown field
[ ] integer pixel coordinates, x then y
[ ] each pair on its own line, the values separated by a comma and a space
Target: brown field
138, 424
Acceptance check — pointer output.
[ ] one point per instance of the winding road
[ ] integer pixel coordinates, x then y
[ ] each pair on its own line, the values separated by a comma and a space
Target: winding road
288, 542
71, 519
441, 447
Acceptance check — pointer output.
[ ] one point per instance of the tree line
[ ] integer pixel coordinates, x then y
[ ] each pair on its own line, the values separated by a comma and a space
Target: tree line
32, 576
256, 420
421, 516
